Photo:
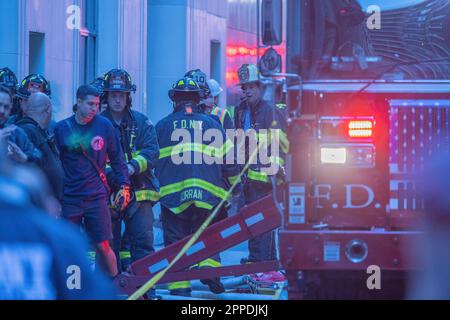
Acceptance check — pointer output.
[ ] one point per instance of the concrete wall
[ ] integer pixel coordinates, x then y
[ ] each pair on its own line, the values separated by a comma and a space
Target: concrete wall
9, 29
61, 49
166, 56
207, 23
122, 42
157, 41
241, 33
133, 44
180, 33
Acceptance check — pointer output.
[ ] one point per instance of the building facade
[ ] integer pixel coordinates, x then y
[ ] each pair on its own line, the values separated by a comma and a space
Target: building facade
71, 42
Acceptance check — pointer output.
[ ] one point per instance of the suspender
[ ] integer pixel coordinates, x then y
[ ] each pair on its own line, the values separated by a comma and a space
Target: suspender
100, 172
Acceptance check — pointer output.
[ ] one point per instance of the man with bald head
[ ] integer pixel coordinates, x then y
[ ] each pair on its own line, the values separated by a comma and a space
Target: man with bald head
35, 122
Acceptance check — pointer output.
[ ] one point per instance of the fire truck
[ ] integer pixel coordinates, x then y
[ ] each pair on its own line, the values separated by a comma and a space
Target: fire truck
374, 109
368, 104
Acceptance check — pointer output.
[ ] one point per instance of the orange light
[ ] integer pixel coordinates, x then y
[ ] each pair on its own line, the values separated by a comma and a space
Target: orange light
360, 129
231, 77
231, 51
239, 50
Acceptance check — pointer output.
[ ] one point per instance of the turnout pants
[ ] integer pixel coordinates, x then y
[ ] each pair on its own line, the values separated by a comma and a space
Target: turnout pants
178, 226
261, 248
137, 241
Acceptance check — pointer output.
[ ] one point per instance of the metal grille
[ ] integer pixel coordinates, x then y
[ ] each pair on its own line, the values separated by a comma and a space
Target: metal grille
418, 32
419, 132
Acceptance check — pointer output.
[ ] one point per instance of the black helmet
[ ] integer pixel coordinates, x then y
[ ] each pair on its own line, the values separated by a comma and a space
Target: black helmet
200, 77
35, 81
185, 89
118, 80
8, 79
98, 84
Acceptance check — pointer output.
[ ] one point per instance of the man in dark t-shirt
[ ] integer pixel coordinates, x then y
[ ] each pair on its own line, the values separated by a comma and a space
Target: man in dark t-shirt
86, 141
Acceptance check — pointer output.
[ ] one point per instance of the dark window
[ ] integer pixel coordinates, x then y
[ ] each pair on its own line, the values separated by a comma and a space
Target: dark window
36, 58
88, 41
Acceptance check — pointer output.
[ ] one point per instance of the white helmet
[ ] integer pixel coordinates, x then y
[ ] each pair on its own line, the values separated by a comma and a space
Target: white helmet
248, 73
214, 87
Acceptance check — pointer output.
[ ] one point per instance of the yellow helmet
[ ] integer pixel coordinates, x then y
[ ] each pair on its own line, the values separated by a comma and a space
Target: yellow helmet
248, 73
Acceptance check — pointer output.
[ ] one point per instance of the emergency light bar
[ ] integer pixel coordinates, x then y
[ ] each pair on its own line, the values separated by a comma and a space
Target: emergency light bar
360, 128
346, 128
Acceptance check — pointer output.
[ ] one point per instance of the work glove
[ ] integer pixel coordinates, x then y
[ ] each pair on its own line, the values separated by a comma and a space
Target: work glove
122, 198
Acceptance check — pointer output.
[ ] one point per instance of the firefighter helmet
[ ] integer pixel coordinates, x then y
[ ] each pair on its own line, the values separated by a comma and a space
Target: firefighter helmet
118, 80
214, 87
8, 79
185, 89
99, 84
248, 73
33, 83
200, 77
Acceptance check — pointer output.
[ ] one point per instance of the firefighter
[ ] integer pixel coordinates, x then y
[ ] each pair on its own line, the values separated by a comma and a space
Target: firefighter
35, 123
85, 141
8, 79
30, 84
140, 145
200, 78
255, 113
223, 114
206, 101
20, 149
209, 101
190, 192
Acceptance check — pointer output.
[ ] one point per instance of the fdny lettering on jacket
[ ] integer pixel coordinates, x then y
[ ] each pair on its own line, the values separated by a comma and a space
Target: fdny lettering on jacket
191, 194
187, 124
25, 272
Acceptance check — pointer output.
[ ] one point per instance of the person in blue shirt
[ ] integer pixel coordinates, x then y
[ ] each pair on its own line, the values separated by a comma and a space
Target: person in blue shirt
86, 141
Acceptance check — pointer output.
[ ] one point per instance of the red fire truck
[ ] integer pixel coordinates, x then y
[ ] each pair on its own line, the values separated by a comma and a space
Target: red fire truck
374, 109
368, 105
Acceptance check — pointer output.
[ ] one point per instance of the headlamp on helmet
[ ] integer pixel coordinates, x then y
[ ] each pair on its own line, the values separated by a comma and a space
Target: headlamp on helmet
185, 89
33, 83
8, 79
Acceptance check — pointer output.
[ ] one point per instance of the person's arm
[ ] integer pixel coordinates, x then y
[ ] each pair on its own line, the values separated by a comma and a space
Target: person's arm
117, 158
148, 151
119, 167
34, 138
230, 170
24, 144
279, 132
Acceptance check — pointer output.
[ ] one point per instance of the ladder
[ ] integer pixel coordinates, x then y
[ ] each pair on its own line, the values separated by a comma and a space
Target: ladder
252, 220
